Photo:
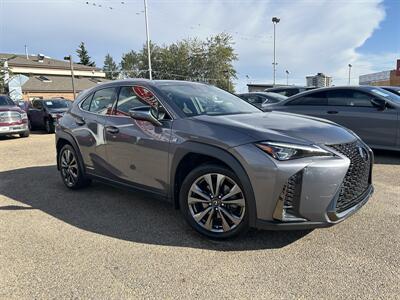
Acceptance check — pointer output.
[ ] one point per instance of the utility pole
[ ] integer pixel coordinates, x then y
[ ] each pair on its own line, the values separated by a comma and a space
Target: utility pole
148, 38
71, 65
350, 65
275, 21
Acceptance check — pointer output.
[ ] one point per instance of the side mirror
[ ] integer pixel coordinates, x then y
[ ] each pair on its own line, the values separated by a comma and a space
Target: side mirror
379, 103
144, 114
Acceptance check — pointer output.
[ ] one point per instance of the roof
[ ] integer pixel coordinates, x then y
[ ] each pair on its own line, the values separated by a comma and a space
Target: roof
60, 83
48, 63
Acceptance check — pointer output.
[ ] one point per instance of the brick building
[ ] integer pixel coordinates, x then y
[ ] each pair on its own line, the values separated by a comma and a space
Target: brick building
51, 78
391, 77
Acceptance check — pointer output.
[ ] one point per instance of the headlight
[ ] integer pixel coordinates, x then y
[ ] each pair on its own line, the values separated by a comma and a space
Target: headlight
55, 116
284, 151
24, 116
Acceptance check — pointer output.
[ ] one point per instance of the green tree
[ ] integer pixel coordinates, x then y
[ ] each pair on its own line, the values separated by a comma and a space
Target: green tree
110, 67
130, 64
83, 55
208, 61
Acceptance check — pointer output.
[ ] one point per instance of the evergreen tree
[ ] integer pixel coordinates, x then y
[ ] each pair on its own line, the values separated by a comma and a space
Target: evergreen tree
110, 67
83, 55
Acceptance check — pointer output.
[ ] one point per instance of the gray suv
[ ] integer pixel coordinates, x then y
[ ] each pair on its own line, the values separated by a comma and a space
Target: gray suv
224, 163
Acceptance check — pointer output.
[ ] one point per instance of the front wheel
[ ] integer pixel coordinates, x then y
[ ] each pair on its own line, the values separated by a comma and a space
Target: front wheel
70, 169
213, 202
24, 134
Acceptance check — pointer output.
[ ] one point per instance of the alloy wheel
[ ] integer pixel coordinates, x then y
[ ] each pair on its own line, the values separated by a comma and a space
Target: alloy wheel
69, 167
216, 202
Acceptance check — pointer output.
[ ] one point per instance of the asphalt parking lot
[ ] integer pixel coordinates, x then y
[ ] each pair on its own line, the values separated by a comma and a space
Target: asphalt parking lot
104, 242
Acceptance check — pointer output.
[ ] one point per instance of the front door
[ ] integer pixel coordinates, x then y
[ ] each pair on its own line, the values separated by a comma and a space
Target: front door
137, 151
354, 110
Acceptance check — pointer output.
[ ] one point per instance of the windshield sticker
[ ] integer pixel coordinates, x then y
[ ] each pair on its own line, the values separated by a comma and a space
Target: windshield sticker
49, 103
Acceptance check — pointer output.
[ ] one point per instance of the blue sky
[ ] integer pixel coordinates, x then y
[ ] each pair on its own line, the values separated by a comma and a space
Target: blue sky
313, 35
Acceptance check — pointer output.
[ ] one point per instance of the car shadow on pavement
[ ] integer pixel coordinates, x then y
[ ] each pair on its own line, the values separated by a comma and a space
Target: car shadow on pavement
386, 157
122, 214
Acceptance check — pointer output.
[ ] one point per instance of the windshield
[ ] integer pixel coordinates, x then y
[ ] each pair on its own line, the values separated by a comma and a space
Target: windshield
56, 103
201, 99
6, 101
388, 95
276, 96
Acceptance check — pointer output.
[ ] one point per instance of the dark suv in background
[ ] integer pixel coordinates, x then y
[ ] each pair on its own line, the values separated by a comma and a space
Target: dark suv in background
45, 113
227, 165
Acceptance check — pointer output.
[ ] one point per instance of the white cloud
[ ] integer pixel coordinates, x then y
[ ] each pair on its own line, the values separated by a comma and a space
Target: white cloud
313, 36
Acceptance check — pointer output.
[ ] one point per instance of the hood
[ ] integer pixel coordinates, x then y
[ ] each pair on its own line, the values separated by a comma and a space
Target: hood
11, 108
283, 127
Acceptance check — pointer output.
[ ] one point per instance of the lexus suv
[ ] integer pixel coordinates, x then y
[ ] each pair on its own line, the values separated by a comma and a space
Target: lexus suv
13, 120
224, 163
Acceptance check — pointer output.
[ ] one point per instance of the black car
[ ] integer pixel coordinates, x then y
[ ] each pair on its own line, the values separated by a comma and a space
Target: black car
371, 112
392, 89
289, 90
45, 113
260, 99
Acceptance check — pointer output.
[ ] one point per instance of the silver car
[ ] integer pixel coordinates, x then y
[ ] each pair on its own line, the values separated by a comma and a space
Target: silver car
371, 112
223, 162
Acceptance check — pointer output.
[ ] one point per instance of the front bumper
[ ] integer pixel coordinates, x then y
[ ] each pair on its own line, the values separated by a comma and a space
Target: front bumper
318, 199
13, 129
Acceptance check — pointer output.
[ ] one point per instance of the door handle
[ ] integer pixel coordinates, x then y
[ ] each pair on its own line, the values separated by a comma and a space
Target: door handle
112, 129
332, 112
80, 121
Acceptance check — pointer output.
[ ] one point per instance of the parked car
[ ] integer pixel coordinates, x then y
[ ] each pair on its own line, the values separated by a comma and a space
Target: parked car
45, 113
260, 99
393, 89
13, 120
289, 91
227, 165
371, 112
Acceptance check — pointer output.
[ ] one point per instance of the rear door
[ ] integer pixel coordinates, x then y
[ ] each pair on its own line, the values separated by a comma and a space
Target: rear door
89, 131
137, 151
353, 109
314, 104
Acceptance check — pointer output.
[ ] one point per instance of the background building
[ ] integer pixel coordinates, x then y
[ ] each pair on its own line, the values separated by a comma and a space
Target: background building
391, 77
319, 80
50, 78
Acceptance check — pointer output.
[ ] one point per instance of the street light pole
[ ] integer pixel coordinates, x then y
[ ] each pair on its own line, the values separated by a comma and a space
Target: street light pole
350, 65
71, 65
287, 77
148, 39
275, 21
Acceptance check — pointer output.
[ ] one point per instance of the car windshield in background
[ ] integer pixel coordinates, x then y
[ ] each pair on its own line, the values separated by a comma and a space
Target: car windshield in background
276, 96
6, 101
199, 99
388, 95
56, 103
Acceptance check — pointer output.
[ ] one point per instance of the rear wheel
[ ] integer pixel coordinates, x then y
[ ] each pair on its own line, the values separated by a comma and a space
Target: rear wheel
70, 170
213, 202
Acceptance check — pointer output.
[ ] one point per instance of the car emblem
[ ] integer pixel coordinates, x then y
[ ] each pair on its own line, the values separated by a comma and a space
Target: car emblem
363, 153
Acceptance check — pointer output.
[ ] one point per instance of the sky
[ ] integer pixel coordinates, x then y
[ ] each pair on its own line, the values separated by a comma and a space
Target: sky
312, 35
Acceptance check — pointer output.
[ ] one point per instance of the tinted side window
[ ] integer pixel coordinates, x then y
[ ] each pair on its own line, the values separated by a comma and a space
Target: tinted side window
86, 103
349, 98
318, 99
254, 99
102, 101
128, 100
290, 92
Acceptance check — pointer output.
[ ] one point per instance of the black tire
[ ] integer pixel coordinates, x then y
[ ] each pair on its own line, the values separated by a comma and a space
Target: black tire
49, 126
71, 174
25, 134
196, 175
